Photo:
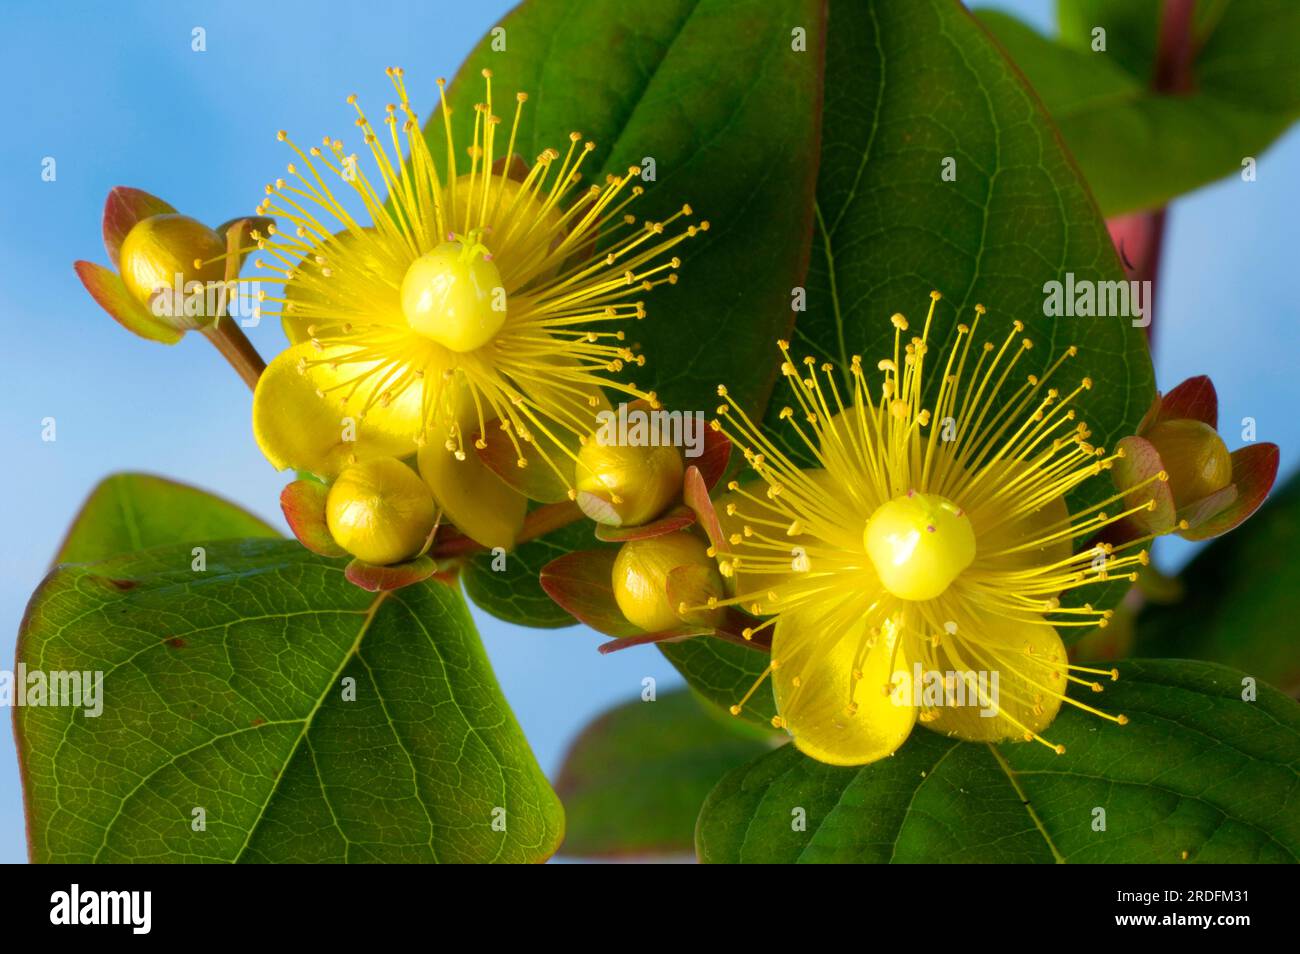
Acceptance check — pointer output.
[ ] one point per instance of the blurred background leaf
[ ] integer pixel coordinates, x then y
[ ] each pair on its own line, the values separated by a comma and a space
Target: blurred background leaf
1197, 775
1138, 148
634, 780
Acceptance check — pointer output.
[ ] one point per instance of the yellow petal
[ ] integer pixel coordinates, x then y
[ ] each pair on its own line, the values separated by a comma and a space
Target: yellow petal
519, 218
756, 507
473, 498
993, 535
478, 502
549, 473
350, 253
568, 411
1023, 665
298, 426
815, 654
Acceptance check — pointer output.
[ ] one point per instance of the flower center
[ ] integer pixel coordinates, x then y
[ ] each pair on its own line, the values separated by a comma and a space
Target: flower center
454, 294
919, 543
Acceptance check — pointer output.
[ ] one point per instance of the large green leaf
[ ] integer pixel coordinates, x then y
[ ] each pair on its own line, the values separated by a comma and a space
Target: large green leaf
224, 690
1198, 775
1241, 598
713, 91
1139, 148
913, 84
634, 780
129, 512
917, 83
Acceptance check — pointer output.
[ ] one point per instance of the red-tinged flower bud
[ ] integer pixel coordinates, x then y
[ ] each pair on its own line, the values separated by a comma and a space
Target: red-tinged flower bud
163, 253
1194, 456
171, 274
1202, 490
380, 511
641, 572
626, 486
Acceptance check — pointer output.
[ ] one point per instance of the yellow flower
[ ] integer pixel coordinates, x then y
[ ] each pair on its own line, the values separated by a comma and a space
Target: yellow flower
916, 572
471, 299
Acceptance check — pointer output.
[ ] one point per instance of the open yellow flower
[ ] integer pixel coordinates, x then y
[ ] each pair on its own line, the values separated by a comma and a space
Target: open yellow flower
487, 297
916, 572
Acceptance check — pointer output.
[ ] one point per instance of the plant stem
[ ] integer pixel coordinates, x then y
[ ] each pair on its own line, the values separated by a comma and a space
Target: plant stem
1173, 73
226, 335
1140, 237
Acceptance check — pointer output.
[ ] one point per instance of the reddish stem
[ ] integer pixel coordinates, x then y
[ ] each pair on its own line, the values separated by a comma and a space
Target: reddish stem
235, 347
1173, 73
1140, 237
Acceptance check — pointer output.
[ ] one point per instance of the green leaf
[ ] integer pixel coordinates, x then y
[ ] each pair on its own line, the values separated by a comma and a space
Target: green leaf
713, 92
1241, 597
224, 691
634, 781
1138, 148
723, 672
513, 594
1243, 47
1196, 771
1132, 29
890, 230
130, 512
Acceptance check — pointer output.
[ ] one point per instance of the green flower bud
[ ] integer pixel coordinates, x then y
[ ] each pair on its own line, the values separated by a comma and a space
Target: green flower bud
380, 511
1194, 456
641, 579
632, 485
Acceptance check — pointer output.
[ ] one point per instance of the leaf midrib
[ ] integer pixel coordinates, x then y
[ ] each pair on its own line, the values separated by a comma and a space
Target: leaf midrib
371, 612
128, 515
307, 722
1024, 800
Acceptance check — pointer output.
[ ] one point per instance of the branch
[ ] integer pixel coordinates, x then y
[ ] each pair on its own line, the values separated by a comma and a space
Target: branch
226, 336
1140, 237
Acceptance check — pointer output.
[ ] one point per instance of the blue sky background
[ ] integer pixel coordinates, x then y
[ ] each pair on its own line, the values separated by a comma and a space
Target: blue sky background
114, 93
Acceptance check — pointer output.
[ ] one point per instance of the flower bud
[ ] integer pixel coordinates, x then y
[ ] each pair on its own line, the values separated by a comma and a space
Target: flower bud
631, 485
159, 255
380, 511
641, 572
153, 249
1194, 456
